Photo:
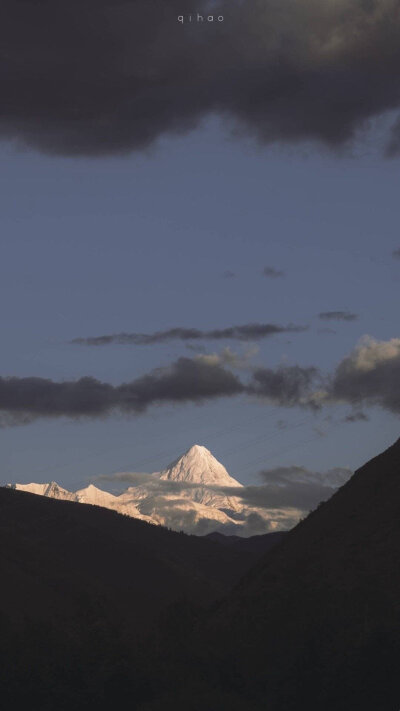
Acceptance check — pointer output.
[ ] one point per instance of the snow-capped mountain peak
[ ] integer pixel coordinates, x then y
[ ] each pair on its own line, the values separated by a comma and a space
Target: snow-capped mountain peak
199, 466
88, 495
55, 491
92, 495
195, 493
51, 489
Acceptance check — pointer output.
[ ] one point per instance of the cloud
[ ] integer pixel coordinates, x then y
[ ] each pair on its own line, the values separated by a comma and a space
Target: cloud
286, 386
150, 484
131, 478
396, 254
272, 273
337, 316
292, 487
356, 417
370, 375
196, 348
174, 504
246, 332
295, 486
98, 77
185, 380
181, 514
240, 361
195, 380
286, 494
228, 274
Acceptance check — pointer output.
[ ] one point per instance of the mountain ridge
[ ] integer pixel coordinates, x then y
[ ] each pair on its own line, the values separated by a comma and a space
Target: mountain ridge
315, 624
191, 494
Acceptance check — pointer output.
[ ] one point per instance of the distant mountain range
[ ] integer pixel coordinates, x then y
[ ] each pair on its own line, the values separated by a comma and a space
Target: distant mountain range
194, 494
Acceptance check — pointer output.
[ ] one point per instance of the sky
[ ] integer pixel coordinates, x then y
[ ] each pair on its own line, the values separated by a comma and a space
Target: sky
174, 213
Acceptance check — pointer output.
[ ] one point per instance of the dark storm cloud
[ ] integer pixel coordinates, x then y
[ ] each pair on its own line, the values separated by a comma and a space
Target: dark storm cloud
110, 76
370, 375
186, 380
396, 254
286, 386
246, 332
272, 273
337, 316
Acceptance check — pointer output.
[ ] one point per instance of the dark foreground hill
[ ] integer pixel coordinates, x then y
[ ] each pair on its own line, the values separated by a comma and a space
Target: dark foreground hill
81, 586
316, 624
100, 611
255, 544
52, 551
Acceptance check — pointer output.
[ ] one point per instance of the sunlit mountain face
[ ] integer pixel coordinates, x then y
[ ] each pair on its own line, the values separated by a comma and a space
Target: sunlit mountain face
194, 493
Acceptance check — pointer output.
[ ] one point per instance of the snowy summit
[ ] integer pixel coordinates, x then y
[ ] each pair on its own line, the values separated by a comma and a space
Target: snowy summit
199, 466
194, 494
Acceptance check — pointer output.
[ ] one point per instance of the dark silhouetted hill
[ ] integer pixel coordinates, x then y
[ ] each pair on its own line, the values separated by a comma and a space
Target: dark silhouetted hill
255, 544
99, 610
52, 551
315, 625
80, 586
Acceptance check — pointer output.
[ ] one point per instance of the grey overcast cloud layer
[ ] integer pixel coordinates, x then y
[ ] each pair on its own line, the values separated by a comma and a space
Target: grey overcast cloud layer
246, 332
370, 375
110, 76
